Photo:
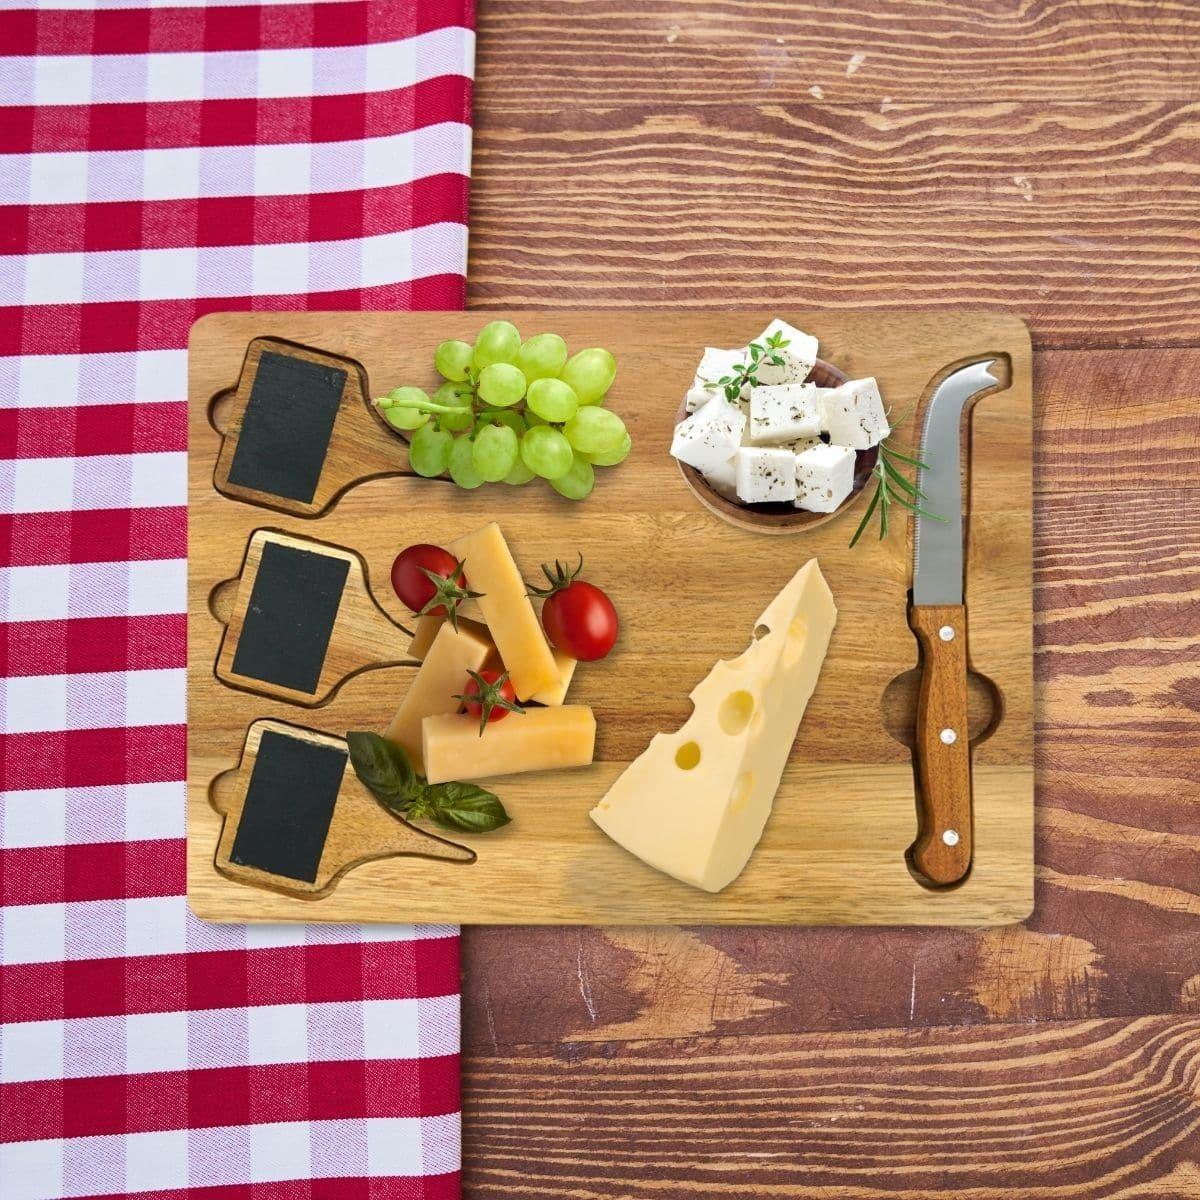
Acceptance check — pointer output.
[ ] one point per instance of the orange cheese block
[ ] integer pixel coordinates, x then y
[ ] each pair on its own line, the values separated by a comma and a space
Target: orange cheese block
426, 629
540, 739
442, 677
507, 612
557, 693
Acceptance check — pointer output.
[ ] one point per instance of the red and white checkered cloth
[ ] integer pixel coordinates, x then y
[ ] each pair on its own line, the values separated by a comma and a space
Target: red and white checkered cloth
158, 163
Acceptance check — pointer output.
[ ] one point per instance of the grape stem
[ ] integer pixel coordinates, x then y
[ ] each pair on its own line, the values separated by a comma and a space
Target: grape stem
425, 406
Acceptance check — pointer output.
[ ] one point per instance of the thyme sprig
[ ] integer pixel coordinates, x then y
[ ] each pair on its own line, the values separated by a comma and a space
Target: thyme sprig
892, 486
760, 354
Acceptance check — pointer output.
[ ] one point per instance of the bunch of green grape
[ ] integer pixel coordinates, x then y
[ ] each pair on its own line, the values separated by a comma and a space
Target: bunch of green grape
511, 411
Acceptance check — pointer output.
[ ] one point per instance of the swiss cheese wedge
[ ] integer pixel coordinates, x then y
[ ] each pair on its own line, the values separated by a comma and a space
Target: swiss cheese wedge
695, 803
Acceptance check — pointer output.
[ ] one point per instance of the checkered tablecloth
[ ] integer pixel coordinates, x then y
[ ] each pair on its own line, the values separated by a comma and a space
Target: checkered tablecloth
158, 163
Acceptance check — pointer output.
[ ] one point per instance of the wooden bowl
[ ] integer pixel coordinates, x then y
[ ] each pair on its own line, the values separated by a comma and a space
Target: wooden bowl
779, 517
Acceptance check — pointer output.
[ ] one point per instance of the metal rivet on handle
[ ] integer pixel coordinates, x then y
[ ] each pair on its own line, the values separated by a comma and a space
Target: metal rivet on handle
946, 633
949, 737
950, 837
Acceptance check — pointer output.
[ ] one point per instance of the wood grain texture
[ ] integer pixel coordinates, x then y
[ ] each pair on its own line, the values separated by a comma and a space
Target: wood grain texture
1078, 1110
1032, 156
1035, 158
688, 52
844, 814
1024, 207
1116, 926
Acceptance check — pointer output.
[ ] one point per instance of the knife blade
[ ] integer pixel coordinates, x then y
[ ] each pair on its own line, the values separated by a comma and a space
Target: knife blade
943, 847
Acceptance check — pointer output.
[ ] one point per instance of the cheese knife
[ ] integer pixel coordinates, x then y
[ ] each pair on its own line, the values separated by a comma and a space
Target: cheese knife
938, 617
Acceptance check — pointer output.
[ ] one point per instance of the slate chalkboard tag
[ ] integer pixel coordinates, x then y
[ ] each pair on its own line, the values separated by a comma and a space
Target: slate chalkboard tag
296, 819
299, 430
303, 620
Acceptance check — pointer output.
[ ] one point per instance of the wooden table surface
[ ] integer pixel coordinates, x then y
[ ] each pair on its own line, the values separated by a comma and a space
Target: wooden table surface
1040, 157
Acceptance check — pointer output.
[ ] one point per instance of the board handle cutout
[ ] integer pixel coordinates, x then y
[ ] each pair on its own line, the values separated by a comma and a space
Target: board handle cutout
223, 599
220, 410
898, 707
221, 791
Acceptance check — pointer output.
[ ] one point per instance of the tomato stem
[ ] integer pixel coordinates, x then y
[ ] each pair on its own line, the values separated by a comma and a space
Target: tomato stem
489, 696
561, 577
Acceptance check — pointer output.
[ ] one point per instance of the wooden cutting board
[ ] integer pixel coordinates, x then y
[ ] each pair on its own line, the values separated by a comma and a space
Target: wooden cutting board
688, 587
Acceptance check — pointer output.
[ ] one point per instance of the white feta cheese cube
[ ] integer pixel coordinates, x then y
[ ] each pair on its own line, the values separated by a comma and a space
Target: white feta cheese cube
854, 414
723, 480
765, 474
798, 355
824, 477
782, 413
716, 364
698, 397
710, 436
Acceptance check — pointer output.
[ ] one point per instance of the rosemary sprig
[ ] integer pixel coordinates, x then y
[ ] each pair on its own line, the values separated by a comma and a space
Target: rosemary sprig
760, 355
893, 487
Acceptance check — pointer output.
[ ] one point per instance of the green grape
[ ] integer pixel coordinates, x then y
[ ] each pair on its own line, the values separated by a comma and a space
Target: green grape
454, 395
429, 450
519, 474
404, 419
394, 408
532, 419
542, 356
595, 430
501, 384
494, 453
590, 373
552, 399
546, 452
612, 457
453, 359
504, 416
462, 464
497, 342
578, 482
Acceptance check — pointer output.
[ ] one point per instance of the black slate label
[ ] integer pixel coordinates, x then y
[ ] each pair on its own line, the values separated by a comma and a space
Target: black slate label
287, 426
289, 806
290, 617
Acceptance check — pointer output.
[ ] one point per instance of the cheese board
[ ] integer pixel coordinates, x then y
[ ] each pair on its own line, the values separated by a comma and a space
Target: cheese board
869, 767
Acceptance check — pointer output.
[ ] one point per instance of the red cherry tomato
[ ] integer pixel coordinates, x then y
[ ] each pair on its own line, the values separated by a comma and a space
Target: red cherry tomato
413, 586
581, 621
504, 692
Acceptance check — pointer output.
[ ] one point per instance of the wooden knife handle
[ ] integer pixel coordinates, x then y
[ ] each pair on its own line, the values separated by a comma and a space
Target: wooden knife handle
942, 851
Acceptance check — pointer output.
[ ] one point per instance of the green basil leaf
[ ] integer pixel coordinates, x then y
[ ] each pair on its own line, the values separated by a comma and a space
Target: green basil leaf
421, 809
465, 807
384, 770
